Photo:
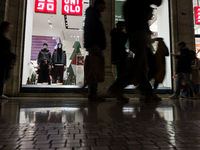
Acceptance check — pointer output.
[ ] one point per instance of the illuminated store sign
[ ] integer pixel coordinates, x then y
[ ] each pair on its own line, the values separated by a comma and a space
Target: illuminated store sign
197, 15
46, 6
72, 7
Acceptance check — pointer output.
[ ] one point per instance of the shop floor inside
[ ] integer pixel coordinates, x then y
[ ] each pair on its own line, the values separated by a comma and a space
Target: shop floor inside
37, 123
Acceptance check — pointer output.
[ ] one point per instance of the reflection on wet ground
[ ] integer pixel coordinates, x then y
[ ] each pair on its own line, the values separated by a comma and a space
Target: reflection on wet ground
76, 124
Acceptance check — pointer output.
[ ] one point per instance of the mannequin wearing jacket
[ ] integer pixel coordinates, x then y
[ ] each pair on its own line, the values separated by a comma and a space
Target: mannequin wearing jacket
59, 63
44, 60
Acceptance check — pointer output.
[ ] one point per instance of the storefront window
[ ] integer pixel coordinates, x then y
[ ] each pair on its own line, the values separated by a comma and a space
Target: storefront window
160, 27
196, 4
53, 47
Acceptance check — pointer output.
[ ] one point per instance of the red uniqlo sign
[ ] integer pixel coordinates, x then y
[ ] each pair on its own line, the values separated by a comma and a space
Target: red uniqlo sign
72, 7
46, 6
197, 15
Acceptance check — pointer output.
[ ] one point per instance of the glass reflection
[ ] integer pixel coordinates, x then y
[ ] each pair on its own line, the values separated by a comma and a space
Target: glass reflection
52, 115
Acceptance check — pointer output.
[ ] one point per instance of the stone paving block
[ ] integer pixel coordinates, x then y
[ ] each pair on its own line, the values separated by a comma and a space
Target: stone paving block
43, 146
47, 149
26, 146
10, 147
43, 142
58, 141
28, 149
66, 148
118, 143
134, 147
150, 146
87, 140
88, 144
73, 145
93, 137
165, 146
58, 145
100, 148
118, 148
106, 143
132, 143
82, 148
73, 141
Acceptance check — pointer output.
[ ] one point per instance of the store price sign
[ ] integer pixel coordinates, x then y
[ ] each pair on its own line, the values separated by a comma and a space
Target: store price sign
72, 7
197, 15
46, 6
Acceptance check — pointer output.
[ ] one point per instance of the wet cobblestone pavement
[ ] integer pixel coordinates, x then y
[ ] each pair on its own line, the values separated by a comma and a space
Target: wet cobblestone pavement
76, 124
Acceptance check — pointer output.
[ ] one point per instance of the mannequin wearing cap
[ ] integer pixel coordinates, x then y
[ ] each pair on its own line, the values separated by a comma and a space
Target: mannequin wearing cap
44, 60
58, 62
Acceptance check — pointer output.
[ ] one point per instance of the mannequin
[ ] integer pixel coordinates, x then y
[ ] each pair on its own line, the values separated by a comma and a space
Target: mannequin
44, 59
59, 63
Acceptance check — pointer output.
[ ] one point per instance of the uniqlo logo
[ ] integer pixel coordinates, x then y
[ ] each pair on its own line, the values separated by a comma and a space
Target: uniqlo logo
197, 15
46, 6
72, 7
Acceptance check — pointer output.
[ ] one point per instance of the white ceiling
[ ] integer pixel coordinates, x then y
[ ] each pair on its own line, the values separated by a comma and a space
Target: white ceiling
40, 23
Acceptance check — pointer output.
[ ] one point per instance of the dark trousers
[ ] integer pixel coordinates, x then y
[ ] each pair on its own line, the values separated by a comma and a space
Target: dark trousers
58, 70
186, 77
120, 67
93, 87
43, 73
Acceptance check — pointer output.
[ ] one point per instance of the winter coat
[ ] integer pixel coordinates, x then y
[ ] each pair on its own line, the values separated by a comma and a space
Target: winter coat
195, 76
118, 42
184, 61
94, 33
55, 58
44, 55
6, 56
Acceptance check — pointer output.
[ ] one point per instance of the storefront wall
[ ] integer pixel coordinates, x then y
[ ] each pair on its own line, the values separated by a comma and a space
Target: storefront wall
182, 26
181, 30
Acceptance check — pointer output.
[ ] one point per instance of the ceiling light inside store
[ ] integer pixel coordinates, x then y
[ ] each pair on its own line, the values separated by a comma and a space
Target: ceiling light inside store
49, 20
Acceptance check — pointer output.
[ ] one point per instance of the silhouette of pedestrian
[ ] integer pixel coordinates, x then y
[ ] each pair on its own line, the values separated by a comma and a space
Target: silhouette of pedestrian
119, 54
6, 57
183, 70
139, 36
95, 41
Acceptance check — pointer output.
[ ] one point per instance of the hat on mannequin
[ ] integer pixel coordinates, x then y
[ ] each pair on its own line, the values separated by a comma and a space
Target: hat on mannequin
45, 45
59, 45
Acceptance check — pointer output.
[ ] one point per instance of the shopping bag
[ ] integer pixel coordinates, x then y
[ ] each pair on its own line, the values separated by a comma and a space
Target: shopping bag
94, 71
161, 53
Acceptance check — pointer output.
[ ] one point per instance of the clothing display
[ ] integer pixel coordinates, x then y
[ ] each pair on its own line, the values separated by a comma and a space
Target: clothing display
44, 60
58, 63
